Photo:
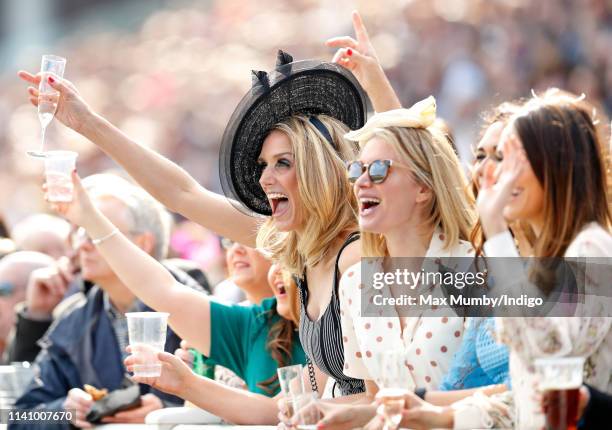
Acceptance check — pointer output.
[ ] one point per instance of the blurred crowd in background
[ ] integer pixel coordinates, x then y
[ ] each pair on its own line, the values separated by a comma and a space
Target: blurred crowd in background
172, 81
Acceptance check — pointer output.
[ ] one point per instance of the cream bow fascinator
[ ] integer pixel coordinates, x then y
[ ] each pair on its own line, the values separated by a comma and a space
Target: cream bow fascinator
421, 115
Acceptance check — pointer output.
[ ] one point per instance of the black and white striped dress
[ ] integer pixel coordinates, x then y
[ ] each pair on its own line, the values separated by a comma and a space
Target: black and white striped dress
322, 339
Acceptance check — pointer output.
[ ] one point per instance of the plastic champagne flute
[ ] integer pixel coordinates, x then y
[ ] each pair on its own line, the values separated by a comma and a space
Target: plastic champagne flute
47, 97
394, 375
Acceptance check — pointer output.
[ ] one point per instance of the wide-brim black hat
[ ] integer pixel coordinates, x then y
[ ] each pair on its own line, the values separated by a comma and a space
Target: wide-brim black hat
308, 87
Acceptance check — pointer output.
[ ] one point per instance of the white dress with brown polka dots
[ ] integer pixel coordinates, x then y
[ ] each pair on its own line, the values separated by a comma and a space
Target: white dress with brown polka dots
429, 343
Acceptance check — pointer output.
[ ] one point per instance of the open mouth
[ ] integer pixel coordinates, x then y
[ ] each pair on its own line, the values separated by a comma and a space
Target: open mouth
367, 205
279, 203
280, 289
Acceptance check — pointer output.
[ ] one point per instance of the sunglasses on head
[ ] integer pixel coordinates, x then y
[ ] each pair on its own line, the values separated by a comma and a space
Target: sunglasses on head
377, 170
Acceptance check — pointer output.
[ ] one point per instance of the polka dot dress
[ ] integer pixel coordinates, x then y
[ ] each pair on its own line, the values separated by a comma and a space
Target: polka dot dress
429, 342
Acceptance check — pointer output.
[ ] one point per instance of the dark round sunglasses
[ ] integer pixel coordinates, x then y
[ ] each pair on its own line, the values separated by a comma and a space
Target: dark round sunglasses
377, 170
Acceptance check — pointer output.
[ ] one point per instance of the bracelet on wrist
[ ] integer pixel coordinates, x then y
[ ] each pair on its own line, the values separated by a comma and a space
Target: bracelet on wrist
105, 238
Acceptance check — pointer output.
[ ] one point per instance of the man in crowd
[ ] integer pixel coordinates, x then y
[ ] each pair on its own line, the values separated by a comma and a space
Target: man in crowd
86, 343
43, 233
15, 270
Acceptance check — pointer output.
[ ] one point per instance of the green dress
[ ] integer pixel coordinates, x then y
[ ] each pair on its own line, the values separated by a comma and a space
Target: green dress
239, 337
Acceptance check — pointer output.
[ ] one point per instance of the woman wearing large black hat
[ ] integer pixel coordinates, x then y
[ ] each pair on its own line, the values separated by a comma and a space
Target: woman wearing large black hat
282, 157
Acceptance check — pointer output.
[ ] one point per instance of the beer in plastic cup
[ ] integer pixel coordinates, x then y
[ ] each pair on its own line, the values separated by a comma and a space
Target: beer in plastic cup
560, 381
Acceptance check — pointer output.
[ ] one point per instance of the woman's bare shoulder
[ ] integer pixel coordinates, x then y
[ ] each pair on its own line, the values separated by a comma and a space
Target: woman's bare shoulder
350, 256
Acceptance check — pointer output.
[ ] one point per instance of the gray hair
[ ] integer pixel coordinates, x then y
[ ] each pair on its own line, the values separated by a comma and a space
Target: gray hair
147, 214
37, 223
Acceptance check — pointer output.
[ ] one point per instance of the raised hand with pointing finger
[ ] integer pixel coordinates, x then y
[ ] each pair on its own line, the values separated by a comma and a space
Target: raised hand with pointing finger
358, 55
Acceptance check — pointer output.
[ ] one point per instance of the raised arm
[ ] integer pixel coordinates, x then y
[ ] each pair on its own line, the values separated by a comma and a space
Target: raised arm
360, 58
150, 281
163, 179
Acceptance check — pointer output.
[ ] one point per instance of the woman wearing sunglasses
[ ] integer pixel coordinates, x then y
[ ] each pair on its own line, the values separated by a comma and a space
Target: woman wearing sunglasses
413, 202
359, 56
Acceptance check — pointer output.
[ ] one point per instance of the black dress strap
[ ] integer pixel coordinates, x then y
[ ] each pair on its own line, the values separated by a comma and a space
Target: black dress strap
302, 282
352, 238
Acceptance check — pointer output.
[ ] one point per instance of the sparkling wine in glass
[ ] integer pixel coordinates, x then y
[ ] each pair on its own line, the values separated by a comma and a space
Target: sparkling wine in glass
392, 383
306, 411
392, 404
47, 97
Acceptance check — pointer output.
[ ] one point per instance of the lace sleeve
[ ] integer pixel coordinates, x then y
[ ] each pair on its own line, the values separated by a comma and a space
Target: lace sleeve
484, 412
464, 366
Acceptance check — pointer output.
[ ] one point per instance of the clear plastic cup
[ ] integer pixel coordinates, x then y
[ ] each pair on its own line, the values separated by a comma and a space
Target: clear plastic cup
290, 380
147, 334
307, 412
51, 65
560, 380
58, 170
14, 379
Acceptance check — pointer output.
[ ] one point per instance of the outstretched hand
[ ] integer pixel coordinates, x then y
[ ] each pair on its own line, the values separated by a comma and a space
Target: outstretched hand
185, 354
357, 55
72, 110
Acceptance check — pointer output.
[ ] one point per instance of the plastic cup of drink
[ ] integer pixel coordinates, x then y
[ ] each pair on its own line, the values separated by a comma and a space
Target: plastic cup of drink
560, 381
58, 170
147, 334
290, 380
13, 381
306, 411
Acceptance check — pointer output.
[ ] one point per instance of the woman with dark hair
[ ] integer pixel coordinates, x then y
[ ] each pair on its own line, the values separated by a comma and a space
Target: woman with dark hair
553, 177
487, 153
252, 341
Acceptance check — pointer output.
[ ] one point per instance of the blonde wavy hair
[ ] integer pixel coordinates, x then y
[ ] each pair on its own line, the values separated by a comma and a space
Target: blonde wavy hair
433, 163
327, 205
